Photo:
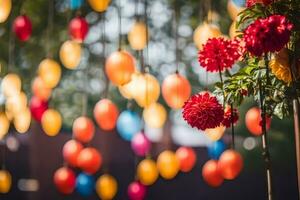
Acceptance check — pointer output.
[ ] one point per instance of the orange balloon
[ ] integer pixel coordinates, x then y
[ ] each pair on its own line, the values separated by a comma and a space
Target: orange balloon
253, 121
211, 175
71, 151
40, 90
176, 90
230, 164
89, 160
187, 158
119, 67
83, 129
106, 114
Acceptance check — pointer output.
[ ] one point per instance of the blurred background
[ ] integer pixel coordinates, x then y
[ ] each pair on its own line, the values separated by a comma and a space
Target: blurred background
32, 158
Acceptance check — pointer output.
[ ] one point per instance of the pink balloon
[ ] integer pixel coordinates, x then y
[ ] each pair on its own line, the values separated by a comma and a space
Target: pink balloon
140, 144
136, 191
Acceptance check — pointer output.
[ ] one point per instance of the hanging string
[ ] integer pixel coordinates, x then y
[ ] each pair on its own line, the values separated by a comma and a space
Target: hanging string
206, 81
232, 127
136, 10
176, 16
209, 11
147, 34
50, 28
85, 92
3, 165
120, 24
107, 82
222, 82
11, 47
265, 153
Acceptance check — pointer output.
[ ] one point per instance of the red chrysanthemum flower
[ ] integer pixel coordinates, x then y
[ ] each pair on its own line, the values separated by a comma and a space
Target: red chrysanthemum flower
250, 3
203, 111
219, 54
227, 117
267, 35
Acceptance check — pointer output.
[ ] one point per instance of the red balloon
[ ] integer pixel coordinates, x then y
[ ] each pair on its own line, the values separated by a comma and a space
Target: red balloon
37, 108
211, 175
253, 121
71, 151
64, 180
22, 27
230, 164
83, 129
89, 160
78, 29
136, 191
187, 158
106, 114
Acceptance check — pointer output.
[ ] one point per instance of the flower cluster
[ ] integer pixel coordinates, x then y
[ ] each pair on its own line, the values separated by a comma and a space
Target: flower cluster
270, 34
228, 119
203, 111
250, 3
219, 54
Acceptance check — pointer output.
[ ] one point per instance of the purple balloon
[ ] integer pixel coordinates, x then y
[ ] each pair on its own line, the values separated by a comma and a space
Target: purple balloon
136, 191
140, 144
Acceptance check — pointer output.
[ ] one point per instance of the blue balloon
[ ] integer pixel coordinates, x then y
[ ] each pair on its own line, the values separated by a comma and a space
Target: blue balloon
129, 123
75, 4
239, 3
85, 184
216, 149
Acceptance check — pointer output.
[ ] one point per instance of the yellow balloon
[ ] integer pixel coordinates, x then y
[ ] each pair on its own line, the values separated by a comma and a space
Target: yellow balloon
22, 121
4, 125
168, 164
99, 5
215, 134
5, 8
106, 187
127, 90
51, 122
137, 36
233, 9
5, 181
147, 90
204, 32
155, 115
11, 85
16, 103
70, 54
147, 172
50, 72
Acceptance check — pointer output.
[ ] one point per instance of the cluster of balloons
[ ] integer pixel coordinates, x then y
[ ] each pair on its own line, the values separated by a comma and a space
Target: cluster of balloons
144, 88
70, 51
88, 160
226, 166
48, 77
16, 106
168, 165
